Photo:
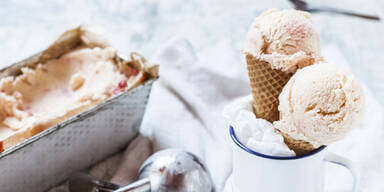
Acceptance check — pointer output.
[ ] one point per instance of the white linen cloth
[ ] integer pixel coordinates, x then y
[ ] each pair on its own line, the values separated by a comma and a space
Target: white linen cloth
185, 111
257, 134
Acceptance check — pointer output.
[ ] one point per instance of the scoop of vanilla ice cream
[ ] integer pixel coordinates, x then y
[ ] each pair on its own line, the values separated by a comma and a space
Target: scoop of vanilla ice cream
285, 39
320, 104
257, 134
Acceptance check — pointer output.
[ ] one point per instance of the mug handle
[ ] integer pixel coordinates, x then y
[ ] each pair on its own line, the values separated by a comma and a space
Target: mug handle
342, 161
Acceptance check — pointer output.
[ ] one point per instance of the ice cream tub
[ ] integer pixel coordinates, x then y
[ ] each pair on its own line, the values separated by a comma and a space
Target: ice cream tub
48, 156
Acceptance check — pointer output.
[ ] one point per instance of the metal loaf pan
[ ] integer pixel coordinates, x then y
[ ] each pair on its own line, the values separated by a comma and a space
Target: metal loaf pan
49, 157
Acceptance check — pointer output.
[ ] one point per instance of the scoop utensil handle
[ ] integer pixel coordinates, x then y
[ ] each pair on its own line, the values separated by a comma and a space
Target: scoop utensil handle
142, 185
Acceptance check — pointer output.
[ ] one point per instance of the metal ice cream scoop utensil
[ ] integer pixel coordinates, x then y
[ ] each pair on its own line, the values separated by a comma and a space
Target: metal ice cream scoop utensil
170, 170
304, 6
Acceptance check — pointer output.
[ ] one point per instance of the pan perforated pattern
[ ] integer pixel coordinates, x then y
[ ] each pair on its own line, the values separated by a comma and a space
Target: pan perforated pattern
50, 157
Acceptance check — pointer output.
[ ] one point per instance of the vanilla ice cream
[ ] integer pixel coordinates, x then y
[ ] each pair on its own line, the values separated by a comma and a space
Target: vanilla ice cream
255, 133
285, 39
320, 104
58, 89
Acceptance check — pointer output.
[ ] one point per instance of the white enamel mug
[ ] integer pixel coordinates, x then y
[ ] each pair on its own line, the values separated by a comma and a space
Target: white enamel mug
253, 171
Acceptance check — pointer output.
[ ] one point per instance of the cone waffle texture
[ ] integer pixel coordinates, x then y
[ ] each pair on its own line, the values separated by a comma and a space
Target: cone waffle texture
299, 146
266, 85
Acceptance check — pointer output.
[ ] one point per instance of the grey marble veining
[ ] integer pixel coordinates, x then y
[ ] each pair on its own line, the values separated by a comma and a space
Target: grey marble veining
213, 26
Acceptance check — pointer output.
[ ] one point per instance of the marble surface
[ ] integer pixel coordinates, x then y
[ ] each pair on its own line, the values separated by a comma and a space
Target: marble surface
214, 27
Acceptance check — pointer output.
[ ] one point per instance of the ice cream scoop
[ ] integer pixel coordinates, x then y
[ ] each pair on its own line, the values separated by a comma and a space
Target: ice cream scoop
320, 104
169, 170
285, 39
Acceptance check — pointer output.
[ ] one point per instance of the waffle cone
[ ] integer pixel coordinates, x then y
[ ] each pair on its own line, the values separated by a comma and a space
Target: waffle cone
266, 84
299, 146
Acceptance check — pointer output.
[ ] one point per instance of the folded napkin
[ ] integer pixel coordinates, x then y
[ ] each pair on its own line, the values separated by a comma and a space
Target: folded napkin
185, 111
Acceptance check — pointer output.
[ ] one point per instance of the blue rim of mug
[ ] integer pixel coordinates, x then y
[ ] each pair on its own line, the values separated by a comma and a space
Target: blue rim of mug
238, 143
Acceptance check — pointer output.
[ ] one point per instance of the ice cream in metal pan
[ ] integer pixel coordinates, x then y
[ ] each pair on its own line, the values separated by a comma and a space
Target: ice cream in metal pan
53, 91
67, 108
